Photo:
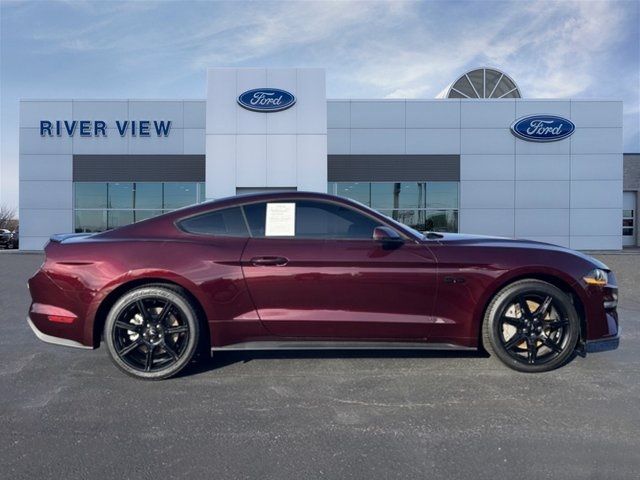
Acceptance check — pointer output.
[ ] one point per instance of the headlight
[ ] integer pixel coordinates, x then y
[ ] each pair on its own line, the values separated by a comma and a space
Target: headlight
596, 277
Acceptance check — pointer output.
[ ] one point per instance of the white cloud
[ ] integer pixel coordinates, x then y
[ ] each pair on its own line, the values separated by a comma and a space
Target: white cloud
391, 49
551, 52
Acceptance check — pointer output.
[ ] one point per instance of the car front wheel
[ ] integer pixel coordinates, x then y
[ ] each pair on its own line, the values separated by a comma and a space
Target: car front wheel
531, 326
152, 332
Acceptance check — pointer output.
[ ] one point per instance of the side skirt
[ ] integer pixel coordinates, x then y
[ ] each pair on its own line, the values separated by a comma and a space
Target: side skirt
338, 345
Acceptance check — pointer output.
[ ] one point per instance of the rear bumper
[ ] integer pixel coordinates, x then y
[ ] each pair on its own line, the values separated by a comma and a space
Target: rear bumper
55, 340
59, 308
602, 344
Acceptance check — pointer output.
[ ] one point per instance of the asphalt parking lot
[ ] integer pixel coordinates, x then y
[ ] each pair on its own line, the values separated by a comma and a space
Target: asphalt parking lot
69, 413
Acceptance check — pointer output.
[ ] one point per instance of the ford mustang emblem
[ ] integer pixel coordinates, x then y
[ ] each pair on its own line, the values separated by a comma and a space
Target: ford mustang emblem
542, 128
266, 100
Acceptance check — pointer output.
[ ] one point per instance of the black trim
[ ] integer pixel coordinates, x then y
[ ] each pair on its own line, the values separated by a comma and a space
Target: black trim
393, 168
602, 344
138, 168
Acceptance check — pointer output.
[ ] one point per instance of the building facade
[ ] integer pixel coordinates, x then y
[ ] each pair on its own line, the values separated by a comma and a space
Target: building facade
450, 164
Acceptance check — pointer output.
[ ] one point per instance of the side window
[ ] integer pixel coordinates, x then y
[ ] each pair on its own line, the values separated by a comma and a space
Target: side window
327, 220
317, 220
256, 217
227, 222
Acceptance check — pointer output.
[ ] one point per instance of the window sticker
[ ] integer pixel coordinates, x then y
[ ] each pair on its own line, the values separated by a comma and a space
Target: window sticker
281, 220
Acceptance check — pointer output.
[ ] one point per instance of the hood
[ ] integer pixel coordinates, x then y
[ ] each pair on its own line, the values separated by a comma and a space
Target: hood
503, 242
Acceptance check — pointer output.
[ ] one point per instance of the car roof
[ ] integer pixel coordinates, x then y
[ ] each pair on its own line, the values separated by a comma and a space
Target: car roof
262, 196
244, 199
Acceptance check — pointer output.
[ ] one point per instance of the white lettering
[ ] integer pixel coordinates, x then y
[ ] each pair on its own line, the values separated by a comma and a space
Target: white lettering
266, 99
542, 128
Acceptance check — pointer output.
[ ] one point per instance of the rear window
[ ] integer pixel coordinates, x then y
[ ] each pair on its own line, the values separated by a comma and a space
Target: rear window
227, 222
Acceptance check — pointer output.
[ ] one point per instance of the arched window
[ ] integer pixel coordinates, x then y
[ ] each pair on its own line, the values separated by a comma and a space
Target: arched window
484, 83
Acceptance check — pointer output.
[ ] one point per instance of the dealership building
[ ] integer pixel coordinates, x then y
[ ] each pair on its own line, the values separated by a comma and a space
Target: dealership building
480, 160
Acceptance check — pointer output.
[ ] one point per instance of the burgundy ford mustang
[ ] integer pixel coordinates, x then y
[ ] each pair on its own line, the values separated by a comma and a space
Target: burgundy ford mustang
306, 270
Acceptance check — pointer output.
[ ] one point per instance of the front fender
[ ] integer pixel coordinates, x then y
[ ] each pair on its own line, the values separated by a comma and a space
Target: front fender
552, 275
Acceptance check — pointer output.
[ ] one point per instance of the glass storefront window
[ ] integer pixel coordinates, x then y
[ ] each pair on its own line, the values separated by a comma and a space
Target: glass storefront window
140, 215
202, 192
90, 221
90, 195
148, 195
119, 218
442, 195
101, 206
398, 195
441, 221
358, 191
385, 195
121, 195
426, 220
411, 218
178, 195
425, 206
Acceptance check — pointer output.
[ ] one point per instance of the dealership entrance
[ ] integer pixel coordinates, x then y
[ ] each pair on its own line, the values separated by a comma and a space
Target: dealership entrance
629, 212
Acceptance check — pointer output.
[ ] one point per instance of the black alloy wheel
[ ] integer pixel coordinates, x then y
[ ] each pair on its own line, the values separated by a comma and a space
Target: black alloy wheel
531, 326
152, 332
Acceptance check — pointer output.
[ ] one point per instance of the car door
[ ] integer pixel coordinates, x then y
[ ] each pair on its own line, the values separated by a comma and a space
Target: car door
330, 279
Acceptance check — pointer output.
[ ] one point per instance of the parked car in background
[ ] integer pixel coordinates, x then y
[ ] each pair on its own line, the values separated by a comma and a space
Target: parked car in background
15, 239
308, 271
5, 238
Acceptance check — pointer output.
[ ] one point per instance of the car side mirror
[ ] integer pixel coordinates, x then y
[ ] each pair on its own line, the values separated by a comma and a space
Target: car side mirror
386, 235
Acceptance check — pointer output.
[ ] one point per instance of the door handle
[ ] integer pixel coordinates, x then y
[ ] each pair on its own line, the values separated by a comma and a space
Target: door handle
269, 261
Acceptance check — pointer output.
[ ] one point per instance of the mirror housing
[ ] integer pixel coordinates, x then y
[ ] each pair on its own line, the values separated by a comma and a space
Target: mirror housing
386, 235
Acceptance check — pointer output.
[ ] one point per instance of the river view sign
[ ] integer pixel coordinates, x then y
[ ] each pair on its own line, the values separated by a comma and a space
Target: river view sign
100, 128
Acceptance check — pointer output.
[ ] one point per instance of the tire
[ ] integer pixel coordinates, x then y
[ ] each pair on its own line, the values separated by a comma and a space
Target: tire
531, 326
164, 332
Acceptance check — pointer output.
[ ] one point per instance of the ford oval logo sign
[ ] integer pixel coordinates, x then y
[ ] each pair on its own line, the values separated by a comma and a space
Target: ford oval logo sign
266, 100
542, 128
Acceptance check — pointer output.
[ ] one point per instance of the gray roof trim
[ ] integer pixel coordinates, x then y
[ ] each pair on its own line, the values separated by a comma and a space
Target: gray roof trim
393, 168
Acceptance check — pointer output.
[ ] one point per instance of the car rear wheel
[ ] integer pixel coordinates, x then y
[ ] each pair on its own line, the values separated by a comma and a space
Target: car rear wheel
152, 332
531, 326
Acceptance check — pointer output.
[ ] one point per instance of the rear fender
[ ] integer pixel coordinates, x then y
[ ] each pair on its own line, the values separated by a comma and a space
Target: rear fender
133, 279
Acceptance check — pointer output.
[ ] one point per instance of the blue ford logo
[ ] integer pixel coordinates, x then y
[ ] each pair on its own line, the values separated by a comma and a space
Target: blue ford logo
542, 128
266, 100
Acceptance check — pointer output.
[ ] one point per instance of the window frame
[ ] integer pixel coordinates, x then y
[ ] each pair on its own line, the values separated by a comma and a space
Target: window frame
403, 234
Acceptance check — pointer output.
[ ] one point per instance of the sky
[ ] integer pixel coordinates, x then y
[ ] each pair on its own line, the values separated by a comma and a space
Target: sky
146, 49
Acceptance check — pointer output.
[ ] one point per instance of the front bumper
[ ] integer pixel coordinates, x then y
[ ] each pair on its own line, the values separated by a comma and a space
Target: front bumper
55, 340
602, 344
